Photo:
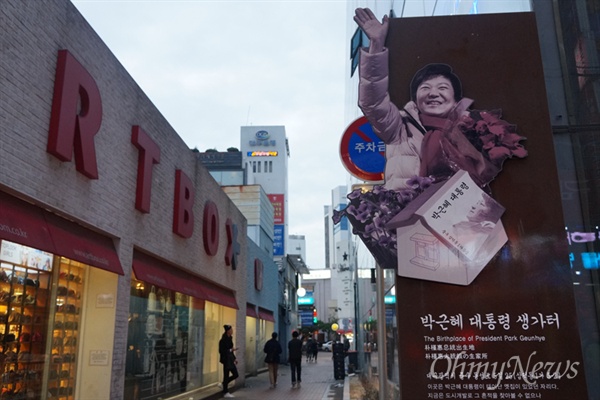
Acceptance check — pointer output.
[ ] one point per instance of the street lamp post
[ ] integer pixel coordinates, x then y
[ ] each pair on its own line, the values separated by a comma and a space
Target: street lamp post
381, 344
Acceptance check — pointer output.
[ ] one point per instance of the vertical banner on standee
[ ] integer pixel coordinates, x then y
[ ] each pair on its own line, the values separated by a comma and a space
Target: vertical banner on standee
510, 331
470, 212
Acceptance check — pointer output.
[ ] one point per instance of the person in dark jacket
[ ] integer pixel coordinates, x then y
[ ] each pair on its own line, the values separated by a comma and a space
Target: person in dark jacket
228, 359
311, 350
295, 359
273, 350
314, 349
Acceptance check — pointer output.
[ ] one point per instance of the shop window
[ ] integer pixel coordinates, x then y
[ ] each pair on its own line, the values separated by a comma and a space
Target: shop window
157, 342
252, 351
39, 322
65, 328
24, 302
172, 342
215, 317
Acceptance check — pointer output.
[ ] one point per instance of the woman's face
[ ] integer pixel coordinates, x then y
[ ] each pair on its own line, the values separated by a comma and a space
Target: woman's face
477, 210
435, 96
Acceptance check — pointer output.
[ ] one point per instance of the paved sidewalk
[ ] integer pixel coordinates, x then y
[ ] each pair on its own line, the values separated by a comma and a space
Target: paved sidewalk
318, 383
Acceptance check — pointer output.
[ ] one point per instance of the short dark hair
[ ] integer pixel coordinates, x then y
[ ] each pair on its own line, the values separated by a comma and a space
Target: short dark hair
295, 334
431, 71
274, 335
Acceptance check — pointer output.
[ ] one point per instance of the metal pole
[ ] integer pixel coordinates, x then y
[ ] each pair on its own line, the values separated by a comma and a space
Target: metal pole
358, 331
381, 345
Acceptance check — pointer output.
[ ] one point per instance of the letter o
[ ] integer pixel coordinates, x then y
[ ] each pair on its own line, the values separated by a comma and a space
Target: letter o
436, 375
210, 228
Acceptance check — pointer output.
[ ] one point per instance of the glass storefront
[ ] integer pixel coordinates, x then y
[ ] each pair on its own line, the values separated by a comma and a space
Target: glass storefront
216, 316
66, 314
25, 283
157, 342
577, 138
259, 327
251, 349
265, 329
40, 322
168, 337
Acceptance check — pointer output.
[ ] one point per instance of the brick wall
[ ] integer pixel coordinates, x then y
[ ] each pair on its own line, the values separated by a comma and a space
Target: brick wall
32, 33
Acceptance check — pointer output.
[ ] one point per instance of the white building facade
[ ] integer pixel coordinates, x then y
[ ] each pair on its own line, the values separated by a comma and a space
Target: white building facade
341, 255
265, 155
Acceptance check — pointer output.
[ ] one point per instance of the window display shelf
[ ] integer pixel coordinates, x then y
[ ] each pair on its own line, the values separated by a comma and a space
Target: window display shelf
23, 321
65, 330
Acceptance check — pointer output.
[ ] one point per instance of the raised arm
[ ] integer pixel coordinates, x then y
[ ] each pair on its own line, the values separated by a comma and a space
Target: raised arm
373, 96
376, 31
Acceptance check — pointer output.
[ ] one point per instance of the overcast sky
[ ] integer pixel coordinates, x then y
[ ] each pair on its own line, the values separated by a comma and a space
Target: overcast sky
211, 67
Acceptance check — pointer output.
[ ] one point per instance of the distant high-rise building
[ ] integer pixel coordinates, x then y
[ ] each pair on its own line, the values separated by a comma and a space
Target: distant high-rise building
265, 153
297, 245
341, 259
328, 229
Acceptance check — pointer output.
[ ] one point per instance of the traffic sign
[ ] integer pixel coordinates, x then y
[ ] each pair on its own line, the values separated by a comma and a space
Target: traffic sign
362, 152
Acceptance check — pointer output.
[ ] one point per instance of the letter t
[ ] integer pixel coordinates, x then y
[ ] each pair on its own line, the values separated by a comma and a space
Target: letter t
149, 155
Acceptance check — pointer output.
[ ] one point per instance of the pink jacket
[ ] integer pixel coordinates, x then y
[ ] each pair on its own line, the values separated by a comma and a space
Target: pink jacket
402, 138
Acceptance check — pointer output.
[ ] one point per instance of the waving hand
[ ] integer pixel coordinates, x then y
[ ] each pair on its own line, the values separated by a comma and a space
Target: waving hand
376, 31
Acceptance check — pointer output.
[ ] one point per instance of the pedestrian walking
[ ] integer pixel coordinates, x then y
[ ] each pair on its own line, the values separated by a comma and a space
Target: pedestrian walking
309, 352
273, 350
295, 359
315, 350
228, 359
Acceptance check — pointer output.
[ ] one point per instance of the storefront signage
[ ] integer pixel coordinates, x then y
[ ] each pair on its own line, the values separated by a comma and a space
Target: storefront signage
306, 318
75, 120
99, 357
28, 256
233, 246
302, 301
262, 135
149, 154
390, 314
262, 153
262, 138
105, 300
582, 237
389, 299
589, 260
76, 115
278, 202
258, 274
278, 240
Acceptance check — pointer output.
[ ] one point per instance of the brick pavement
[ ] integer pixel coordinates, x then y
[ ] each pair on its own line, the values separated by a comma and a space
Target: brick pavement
318, 383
